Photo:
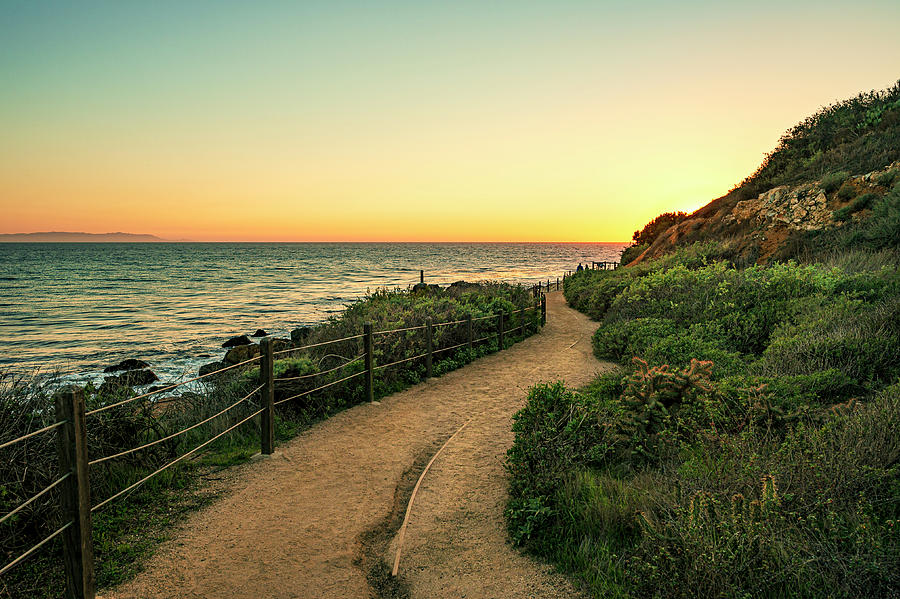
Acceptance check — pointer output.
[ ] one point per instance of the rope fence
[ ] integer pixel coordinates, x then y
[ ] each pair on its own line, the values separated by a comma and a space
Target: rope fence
71, 421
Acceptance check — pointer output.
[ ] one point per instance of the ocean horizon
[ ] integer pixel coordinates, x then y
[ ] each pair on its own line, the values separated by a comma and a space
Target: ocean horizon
76, 307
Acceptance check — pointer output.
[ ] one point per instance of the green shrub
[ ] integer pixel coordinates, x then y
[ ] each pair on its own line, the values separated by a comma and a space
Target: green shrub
864, 201
847, 191
844, 214
632, 252
752, 451
887, 178
833, 181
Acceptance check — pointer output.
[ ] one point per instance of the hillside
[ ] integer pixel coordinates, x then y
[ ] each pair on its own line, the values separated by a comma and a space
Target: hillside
822, 183
69, 237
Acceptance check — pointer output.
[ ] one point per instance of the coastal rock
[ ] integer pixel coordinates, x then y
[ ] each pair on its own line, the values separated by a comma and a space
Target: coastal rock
237, 341
213, 366
281, 344
241, 353
260, 333
131, 378
300, 335
129, 364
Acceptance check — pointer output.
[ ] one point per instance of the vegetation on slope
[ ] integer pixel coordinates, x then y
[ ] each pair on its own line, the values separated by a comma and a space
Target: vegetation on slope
858, 135
749, 445
838, 151
128, 530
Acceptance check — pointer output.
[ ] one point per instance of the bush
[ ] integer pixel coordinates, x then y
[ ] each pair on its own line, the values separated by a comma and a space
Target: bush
846, 191
752, 450
864, 201
887, 178
833, 181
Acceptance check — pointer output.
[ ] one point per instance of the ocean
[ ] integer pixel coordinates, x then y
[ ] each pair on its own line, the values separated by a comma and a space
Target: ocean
74, 308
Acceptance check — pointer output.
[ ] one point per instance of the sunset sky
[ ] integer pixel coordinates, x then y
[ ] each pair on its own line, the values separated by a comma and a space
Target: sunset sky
420, 121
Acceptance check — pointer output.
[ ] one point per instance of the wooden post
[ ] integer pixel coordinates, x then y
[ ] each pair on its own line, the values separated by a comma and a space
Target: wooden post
75, 494
429, 342
500, 331
557, 283
469, 332
421, 276
368, 346
522, 323
267, 397
543, 310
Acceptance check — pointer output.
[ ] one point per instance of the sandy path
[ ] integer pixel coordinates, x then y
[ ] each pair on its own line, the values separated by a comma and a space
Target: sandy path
293, 525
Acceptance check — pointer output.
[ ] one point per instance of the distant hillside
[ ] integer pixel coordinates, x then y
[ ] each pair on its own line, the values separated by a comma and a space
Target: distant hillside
819, 188
64, 236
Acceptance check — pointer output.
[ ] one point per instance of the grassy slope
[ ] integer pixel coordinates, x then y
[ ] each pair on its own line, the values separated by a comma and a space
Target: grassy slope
752, 450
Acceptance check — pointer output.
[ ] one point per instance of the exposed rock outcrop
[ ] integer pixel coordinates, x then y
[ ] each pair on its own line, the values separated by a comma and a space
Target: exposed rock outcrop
758, 228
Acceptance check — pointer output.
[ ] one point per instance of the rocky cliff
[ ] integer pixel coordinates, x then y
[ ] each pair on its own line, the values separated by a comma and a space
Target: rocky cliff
762, 228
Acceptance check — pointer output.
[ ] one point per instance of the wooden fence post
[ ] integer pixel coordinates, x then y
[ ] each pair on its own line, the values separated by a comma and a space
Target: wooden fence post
267, 397
421, 276
368, 346
429, 342
75, 494
543, 310
500, 331
557, 283
469, 332
522, 323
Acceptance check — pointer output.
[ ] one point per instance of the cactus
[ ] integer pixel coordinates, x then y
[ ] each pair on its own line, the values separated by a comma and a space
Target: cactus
652, 392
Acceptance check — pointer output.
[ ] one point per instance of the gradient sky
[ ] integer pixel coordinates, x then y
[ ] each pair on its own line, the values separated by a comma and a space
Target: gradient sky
469, 121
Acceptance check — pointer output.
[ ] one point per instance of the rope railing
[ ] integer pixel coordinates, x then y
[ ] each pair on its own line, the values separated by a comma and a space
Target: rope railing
322, 372
34, 498
388, 331
451, 347
133, 486
411, 358
178, 434
444, 324
32, 434
169, 388
71, 415
312, 345
34, 548
325, 386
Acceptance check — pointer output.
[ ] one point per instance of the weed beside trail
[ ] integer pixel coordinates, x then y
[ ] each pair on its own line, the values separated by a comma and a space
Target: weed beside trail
749, 445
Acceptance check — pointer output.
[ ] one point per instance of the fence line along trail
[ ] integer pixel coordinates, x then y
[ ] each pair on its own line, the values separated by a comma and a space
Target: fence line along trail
299, 523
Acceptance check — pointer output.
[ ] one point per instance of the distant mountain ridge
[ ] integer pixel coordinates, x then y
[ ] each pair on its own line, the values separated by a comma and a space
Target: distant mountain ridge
67, 236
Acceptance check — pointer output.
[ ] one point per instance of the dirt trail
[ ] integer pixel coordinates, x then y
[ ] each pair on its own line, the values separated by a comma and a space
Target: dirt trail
311, 520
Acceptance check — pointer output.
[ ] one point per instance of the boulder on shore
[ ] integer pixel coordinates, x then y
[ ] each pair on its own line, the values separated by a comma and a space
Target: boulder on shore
300, 335
425, 288
260, 333
241, 353
237, 341
129, 364
131, 378
213, 366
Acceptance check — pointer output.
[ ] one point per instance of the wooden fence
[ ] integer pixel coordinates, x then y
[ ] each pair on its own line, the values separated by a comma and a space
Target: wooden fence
71, 426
